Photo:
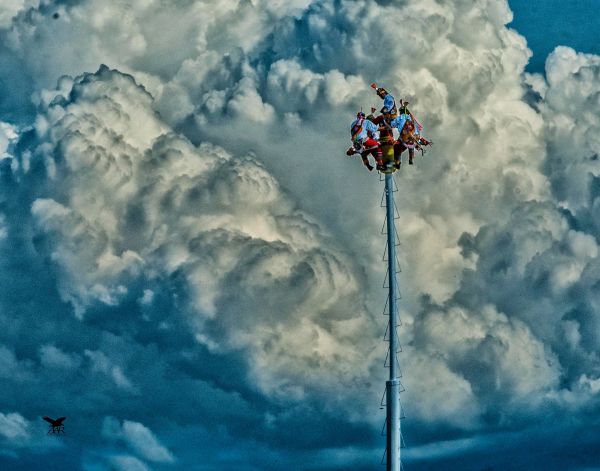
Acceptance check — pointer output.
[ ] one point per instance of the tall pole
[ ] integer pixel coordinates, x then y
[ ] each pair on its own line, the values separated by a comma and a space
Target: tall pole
393, 384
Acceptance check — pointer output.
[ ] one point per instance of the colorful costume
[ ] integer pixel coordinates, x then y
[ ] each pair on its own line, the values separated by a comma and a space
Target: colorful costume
365, 135
386, 139
389, 109
410, 136
375, 135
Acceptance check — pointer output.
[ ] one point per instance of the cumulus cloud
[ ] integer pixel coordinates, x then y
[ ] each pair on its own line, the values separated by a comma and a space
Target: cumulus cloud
8, 134
252, 275
187, 202
173, 208
520, 326
570, 107
11, 8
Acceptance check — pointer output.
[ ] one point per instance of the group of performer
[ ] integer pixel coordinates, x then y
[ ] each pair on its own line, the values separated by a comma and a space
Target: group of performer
371, 133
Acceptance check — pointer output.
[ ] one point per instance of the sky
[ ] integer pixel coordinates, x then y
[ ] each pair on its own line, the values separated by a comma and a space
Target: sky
551, 23
192, 267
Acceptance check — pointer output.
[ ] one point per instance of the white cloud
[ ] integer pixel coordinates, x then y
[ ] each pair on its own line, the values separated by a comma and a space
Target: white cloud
172, 208
490, 343
14, 427
52, 357
100, 363
570, 109
498, 222
449, 398
138, 438
143, 441
9, 9
8, 135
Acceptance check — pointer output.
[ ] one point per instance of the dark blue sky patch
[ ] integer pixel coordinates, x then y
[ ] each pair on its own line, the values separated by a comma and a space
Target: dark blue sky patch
550, 23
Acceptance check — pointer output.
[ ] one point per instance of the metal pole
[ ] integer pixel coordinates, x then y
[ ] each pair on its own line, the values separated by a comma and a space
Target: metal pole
393, 384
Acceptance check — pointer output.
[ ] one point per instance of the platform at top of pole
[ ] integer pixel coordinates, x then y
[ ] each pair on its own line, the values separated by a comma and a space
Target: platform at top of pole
389, 169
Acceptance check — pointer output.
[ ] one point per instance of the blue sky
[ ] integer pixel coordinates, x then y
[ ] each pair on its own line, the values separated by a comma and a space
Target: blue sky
550, 23
191, 265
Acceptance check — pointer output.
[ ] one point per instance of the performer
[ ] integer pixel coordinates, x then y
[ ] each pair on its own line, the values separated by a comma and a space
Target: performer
375, 135
365, 135
410, 137
389, 110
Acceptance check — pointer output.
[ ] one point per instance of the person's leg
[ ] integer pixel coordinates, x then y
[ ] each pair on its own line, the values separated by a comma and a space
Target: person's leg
411, 155
365, 159
398, 149
378, 156
375, 151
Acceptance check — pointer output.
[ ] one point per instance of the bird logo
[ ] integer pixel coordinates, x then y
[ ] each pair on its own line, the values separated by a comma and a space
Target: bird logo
56, 426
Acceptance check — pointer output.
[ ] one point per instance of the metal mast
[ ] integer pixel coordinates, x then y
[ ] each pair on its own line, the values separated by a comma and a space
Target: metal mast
393, 385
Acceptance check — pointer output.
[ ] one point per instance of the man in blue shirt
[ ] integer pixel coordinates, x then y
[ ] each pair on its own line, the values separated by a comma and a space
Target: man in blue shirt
389, 110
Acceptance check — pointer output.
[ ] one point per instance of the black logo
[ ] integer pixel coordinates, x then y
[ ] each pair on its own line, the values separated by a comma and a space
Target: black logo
56, 426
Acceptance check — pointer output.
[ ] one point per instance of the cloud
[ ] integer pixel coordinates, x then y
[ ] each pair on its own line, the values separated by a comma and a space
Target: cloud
8, 134
177, 215
11, 8
145, 443
174, 208
52, 357
569, 106
21, 438
520, 324
187, 204
13, 368
102, 364
138, 438
14, 427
